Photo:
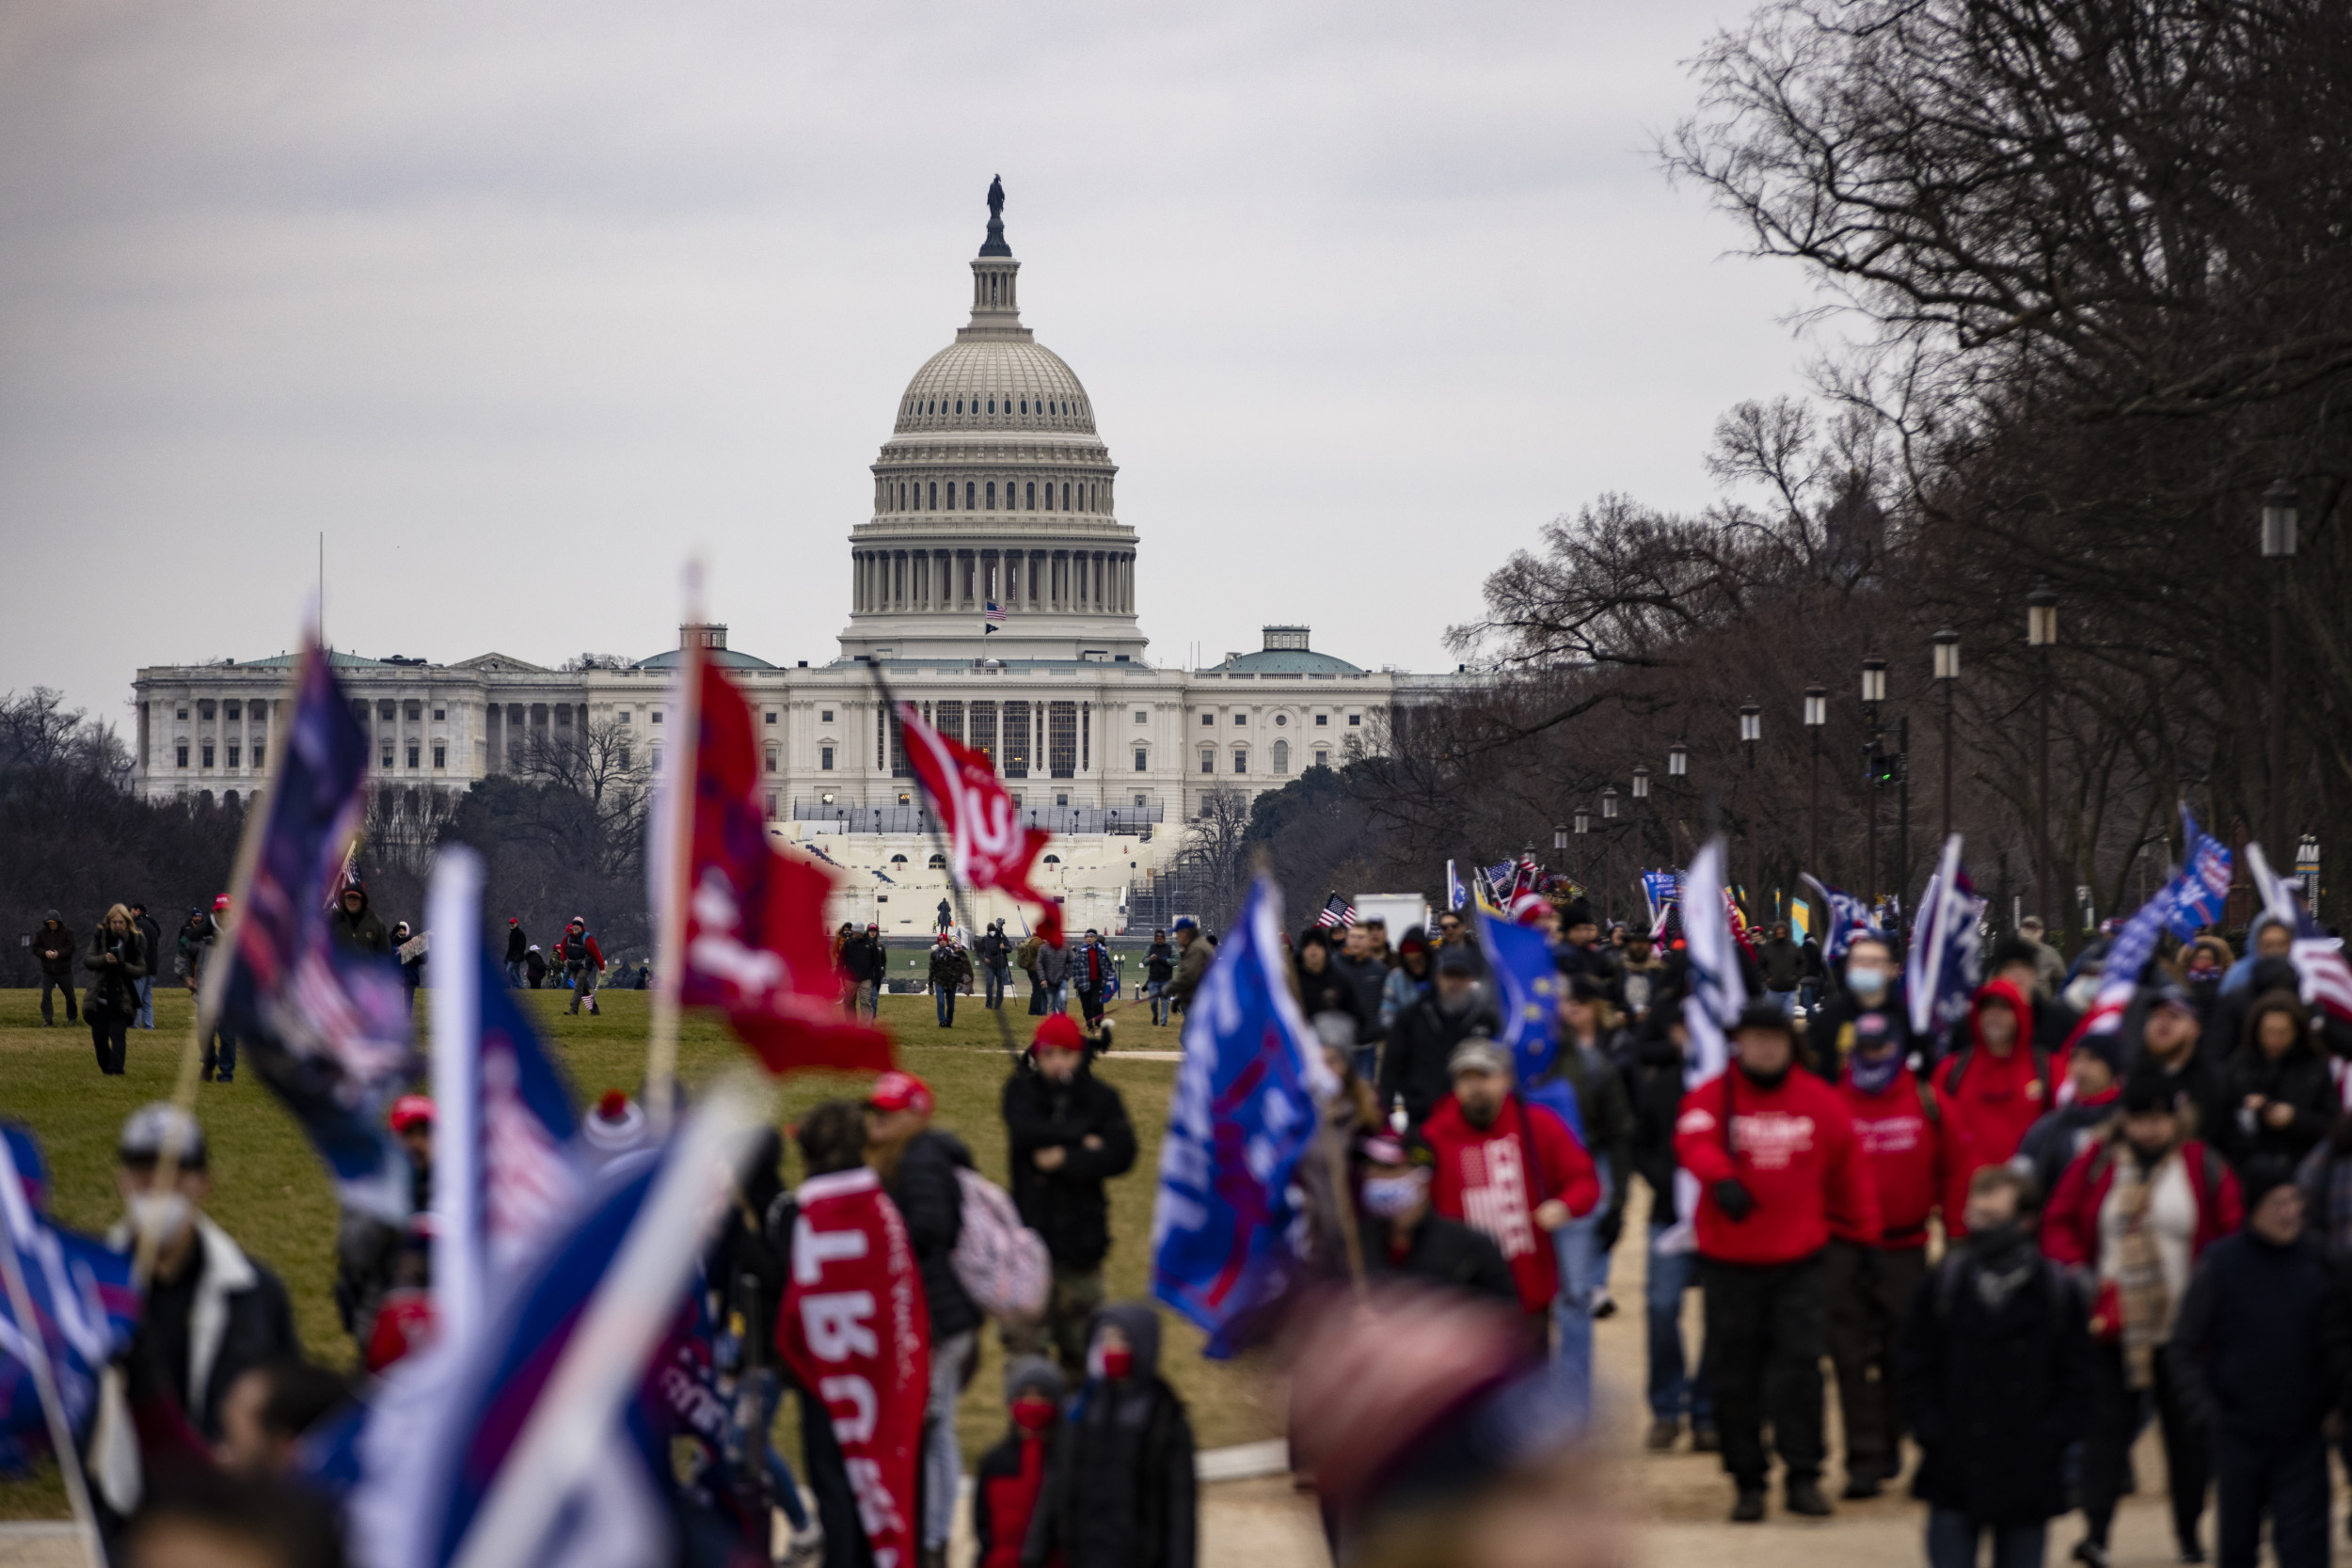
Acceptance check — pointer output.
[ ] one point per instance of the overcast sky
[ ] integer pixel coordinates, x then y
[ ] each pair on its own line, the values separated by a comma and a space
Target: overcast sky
520, 304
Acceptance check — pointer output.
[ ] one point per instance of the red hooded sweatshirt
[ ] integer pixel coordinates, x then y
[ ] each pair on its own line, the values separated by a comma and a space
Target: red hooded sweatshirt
1485, 1179
1904, 1149
1991, 1101
1793, 1147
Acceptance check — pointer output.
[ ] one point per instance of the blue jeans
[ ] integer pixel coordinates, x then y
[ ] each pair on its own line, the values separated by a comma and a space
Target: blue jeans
1157, 991
1674, 1391
943, 1003
1057, 997
514, 975
1952, 1538
997, 976
1583, 1262
147, 1003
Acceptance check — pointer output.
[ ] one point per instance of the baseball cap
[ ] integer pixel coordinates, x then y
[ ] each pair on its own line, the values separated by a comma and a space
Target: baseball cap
900, 1091
1059, 1031
410, 1109
1763, 1015
1456, 960
146, 1130
1477, 1054
220, 903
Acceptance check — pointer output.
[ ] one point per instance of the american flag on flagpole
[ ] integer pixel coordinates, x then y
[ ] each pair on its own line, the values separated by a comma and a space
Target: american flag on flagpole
2318, 958
992, 616
1336, 913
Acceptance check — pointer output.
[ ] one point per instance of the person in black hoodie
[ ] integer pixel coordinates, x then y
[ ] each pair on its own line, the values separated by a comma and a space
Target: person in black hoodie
53, 946
1121, 1490
917, 1165
2259, 1352
1066, 1134
1011, 1477
1994, 1372
1677, 1386
1414, 1068
1323, 988
2276, 1089
356, 926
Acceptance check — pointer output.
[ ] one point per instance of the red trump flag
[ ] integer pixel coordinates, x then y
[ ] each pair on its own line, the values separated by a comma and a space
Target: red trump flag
755, 946
987, 844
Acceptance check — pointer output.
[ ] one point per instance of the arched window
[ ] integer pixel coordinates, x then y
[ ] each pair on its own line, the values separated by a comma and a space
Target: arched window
951, 495
959, 405
935, 494
898, 860
1049, 494
1282, 756
1025, 405
1065, 497
991, 494
1053, 860
967, 495
1033, 495
992, 405
938, 862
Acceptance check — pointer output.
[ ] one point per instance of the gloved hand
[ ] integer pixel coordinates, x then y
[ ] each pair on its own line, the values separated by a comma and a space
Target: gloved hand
1731, 1196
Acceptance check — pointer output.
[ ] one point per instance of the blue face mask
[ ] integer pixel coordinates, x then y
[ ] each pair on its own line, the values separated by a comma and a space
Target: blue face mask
1867, 982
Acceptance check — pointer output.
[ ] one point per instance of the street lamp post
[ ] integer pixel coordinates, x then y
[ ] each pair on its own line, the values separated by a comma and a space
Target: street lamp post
1816, 716
1641, 799
1948, 676
1751, 730
2281, 515
2041, 636
1609, 849
1678, 765
1873, 694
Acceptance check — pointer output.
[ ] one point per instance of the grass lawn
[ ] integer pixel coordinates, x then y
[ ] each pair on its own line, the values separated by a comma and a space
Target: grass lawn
270, 1193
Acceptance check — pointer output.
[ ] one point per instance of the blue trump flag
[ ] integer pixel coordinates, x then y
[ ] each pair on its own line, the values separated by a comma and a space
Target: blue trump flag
1244, 1112
1528, 982
83, 1310
2202, 890
326, 1026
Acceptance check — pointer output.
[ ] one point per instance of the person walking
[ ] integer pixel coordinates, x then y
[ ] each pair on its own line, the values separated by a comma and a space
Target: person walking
949, 972
1416, 1071
1403, 1236
1192, 961
1992, 1372
411, 968
1873, 1276
1642, 981
1511, 1169
1414, 977
1122, 1487
2258, 1353
200, 944
867, 962
152, 944
1676, 1389
535, 966
115, 963
917, 1165
1603, 1121
1053, 972
1364, 968
54, 950
1783, 963
517, 944
1091, 966
1778, 1168
2280, 1095
1159, 969
994, 953
1024, 959
1067, 1136
2131, 1218
582, 960
1011, 1477
2095, 1070
1867, 1012
353, 924
1995, 1089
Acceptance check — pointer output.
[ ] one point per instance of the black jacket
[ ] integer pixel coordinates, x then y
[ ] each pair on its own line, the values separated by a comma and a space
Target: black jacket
1994, 1394
1068, 1206
364, 930
1414, 1065
930, 1199
196, 1355
1121, 1488
2259, 1346
863, 957
1607, 1111
116, 964
1332, 991
1844, 1025
1640, 991
2298, 1079
53, 945
1443, 1251
1368, 976
1782, 961
517, 944
1656, 1102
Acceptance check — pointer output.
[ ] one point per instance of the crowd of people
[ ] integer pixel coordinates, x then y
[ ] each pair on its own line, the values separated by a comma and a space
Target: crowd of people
952, 967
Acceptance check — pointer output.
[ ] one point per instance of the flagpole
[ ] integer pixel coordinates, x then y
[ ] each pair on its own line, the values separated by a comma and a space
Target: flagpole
946, 858
44, 1375
670, 943
454, 908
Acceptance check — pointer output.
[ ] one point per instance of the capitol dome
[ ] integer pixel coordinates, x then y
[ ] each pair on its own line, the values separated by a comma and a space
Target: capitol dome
993, 530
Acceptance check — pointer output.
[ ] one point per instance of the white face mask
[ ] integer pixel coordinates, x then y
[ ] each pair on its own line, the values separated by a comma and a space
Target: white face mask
1866, 981
1389, 1197
163, 1215
2081, 991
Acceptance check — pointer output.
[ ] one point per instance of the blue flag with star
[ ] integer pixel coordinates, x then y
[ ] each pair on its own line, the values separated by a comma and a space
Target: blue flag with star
1527, 998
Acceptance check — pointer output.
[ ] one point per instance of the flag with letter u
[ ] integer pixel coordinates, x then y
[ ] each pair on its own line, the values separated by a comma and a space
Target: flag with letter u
987, 846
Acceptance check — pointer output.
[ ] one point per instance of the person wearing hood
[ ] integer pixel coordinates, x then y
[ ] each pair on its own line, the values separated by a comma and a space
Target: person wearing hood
1326, 991
1903, 1129
1868, 1013
2202, 964
1053, 974
1414, 977
2131, 1218
2268, 938
1011, 1477
1995, 1089
2095, 1069
1120, 1486
54, 949
356, 926
1067, 1135
534, 966
1415, 1069
1779, 1170
2259, 1352
1992, 1372
2056, 1010
2276, 1089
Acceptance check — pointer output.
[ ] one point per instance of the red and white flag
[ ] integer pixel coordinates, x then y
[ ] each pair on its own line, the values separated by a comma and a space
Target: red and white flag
855, 1332
987, 846
756, 941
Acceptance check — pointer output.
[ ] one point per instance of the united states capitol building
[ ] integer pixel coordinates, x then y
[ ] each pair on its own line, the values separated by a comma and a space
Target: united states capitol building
993, 585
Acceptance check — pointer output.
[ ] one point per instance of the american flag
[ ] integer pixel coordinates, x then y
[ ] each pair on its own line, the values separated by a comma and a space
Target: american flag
992, 616
2135, 945
1336, 913
2319, 962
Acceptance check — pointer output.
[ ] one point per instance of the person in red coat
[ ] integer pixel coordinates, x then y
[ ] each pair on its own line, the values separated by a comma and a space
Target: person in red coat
1010, 1477
2130, 1218
1901, 1125
1997, 1085
1778, 1166
1510, 1169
